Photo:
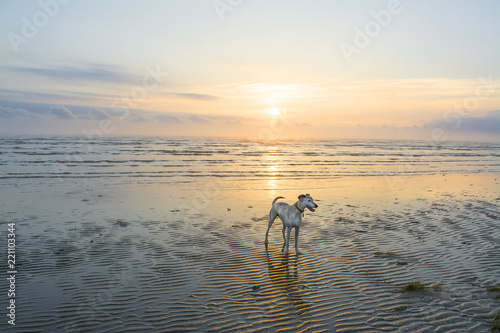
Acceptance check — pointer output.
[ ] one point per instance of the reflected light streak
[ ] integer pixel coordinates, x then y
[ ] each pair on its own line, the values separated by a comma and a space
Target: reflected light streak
273, 169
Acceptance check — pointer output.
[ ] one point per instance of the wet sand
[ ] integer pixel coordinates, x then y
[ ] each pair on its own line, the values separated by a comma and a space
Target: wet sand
191, 257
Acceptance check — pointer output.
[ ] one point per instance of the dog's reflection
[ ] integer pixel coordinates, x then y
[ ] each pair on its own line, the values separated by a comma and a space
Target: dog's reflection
284, 274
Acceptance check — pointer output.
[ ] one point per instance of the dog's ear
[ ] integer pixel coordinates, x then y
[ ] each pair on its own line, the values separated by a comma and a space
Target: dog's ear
301, 197
307, 195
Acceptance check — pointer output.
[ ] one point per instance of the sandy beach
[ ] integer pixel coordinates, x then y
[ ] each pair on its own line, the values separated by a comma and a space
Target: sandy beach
172, 258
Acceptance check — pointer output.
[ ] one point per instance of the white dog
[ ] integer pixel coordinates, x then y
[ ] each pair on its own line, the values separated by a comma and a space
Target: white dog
291, 216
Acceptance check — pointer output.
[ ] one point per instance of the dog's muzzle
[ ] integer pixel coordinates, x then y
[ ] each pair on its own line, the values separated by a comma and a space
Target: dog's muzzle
311, 208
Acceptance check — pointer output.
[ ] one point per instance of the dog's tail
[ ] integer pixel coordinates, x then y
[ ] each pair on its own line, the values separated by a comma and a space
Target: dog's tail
274, 201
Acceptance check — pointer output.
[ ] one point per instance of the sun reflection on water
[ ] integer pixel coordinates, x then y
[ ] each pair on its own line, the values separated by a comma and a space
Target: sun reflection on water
273, 161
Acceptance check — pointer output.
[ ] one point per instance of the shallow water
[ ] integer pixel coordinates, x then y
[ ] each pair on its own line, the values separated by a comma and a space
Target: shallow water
129, 253
154, 160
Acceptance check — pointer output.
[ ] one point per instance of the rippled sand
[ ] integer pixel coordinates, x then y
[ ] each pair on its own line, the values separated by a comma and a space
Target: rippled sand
191, 257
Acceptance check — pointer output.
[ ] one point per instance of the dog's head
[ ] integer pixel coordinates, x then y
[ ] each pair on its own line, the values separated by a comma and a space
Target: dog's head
307, 201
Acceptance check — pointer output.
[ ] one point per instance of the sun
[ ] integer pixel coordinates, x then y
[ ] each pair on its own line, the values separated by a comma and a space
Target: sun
274, 112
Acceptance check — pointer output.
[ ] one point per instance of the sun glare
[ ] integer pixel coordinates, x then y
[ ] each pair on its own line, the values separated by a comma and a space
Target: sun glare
274, 112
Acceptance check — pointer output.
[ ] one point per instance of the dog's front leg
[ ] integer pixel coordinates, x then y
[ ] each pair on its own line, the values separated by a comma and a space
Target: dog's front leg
297, 240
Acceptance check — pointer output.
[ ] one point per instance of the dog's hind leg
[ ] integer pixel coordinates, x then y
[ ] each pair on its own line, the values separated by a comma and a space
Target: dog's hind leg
284, 237
272, 216
297, 240
287, 242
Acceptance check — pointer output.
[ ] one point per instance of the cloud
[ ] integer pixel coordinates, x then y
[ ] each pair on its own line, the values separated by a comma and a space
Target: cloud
192, 96
233, 121
489, 124
68, 96
61, 112
99, 114
136, 116
8, 112
198, 119
87, 72
7, 94
167, 118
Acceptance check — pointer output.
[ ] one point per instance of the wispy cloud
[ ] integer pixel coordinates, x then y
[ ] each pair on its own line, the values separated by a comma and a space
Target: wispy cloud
9, 112
7, 94
167, 118
61, 112
99, 114
487, 124
198, 119
193, 96
86, 72
86, 95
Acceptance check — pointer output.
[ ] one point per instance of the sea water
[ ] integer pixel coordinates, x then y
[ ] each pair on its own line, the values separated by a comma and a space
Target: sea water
157, 160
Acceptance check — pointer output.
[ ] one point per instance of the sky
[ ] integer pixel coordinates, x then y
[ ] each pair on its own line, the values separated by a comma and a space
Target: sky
260, 69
